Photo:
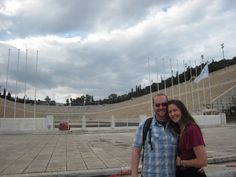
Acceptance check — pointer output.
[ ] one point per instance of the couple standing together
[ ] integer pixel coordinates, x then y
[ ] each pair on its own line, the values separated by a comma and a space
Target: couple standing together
173, 146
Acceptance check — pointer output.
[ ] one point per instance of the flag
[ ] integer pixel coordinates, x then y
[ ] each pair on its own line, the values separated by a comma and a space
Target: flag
204, 74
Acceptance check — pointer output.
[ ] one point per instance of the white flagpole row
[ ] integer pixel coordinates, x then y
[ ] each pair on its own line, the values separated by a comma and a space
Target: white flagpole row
16, 82
197, 104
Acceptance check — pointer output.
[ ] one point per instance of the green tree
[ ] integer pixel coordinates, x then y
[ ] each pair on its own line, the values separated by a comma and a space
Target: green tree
67, 102
47, 99
88, 99
113, 97
8, 95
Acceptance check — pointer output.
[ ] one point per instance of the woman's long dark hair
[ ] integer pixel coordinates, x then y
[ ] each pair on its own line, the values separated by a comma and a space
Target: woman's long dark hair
186, 116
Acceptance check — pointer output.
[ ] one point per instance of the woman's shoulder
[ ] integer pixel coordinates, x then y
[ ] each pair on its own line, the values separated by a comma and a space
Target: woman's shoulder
192, 124
192, 127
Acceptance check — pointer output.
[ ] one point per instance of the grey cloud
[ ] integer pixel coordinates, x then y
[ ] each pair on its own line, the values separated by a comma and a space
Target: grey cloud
75, 17
118, 64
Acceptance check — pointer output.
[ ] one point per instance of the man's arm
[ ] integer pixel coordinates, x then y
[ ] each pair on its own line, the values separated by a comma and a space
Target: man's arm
136, 152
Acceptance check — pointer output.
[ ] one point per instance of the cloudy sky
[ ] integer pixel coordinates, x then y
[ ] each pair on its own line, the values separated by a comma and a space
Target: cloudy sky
99, 47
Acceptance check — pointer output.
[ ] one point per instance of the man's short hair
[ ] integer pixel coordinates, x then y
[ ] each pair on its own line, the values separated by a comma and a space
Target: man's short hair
159, 94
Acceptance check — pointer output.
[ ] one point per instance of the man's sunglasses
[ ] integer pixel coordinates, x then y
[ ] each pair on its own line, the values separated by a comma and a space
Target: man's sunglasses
159, 104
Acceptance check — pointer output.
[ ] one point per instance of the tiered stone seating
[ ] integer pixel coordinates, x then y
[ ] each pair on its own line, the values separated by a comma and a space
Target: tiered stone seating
194, 98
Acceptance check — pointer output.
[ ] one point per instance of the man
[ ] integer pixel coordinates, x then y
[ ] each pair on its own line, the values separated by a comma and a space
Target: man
159, 149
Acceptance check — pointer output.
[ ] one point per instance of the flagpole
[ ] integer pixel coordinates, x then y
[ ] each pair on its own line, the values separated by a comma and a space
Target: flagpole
164, 78
158, 89
150, 88
26, 53
191, 84
17, 70
5, 99
165, 83
36, 69
203, 82
172, 87
209, 84
178, 78
198, 94
185, 84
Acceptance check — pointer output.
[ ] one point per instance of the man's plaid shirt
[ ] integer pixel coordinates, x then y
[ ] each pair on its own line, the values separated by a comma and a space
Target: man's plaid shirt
160, 161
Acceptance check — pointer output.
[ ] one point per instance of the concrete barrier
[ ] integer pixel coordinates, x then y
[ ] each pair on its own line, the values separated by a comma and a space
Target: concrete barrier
210, 120
204, 120
26, 124
113, 123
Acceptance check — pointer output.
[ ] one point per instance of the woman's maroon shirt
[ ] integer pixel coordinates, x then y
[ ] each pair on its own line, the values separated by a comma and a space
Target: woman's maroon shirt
191, 137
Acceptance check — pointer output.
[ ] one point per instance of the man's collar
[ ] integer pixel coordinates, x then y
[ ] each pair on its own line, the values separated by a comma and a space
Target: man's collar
157, 122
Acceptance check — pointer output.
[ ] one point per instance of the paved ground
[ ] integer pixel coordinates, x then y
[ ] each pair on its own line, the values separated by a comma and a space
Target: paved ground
94, 152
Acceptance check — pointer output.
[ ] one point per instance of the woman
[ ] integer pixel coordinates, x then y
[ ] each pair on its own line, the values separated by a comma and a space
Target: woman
191, 147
